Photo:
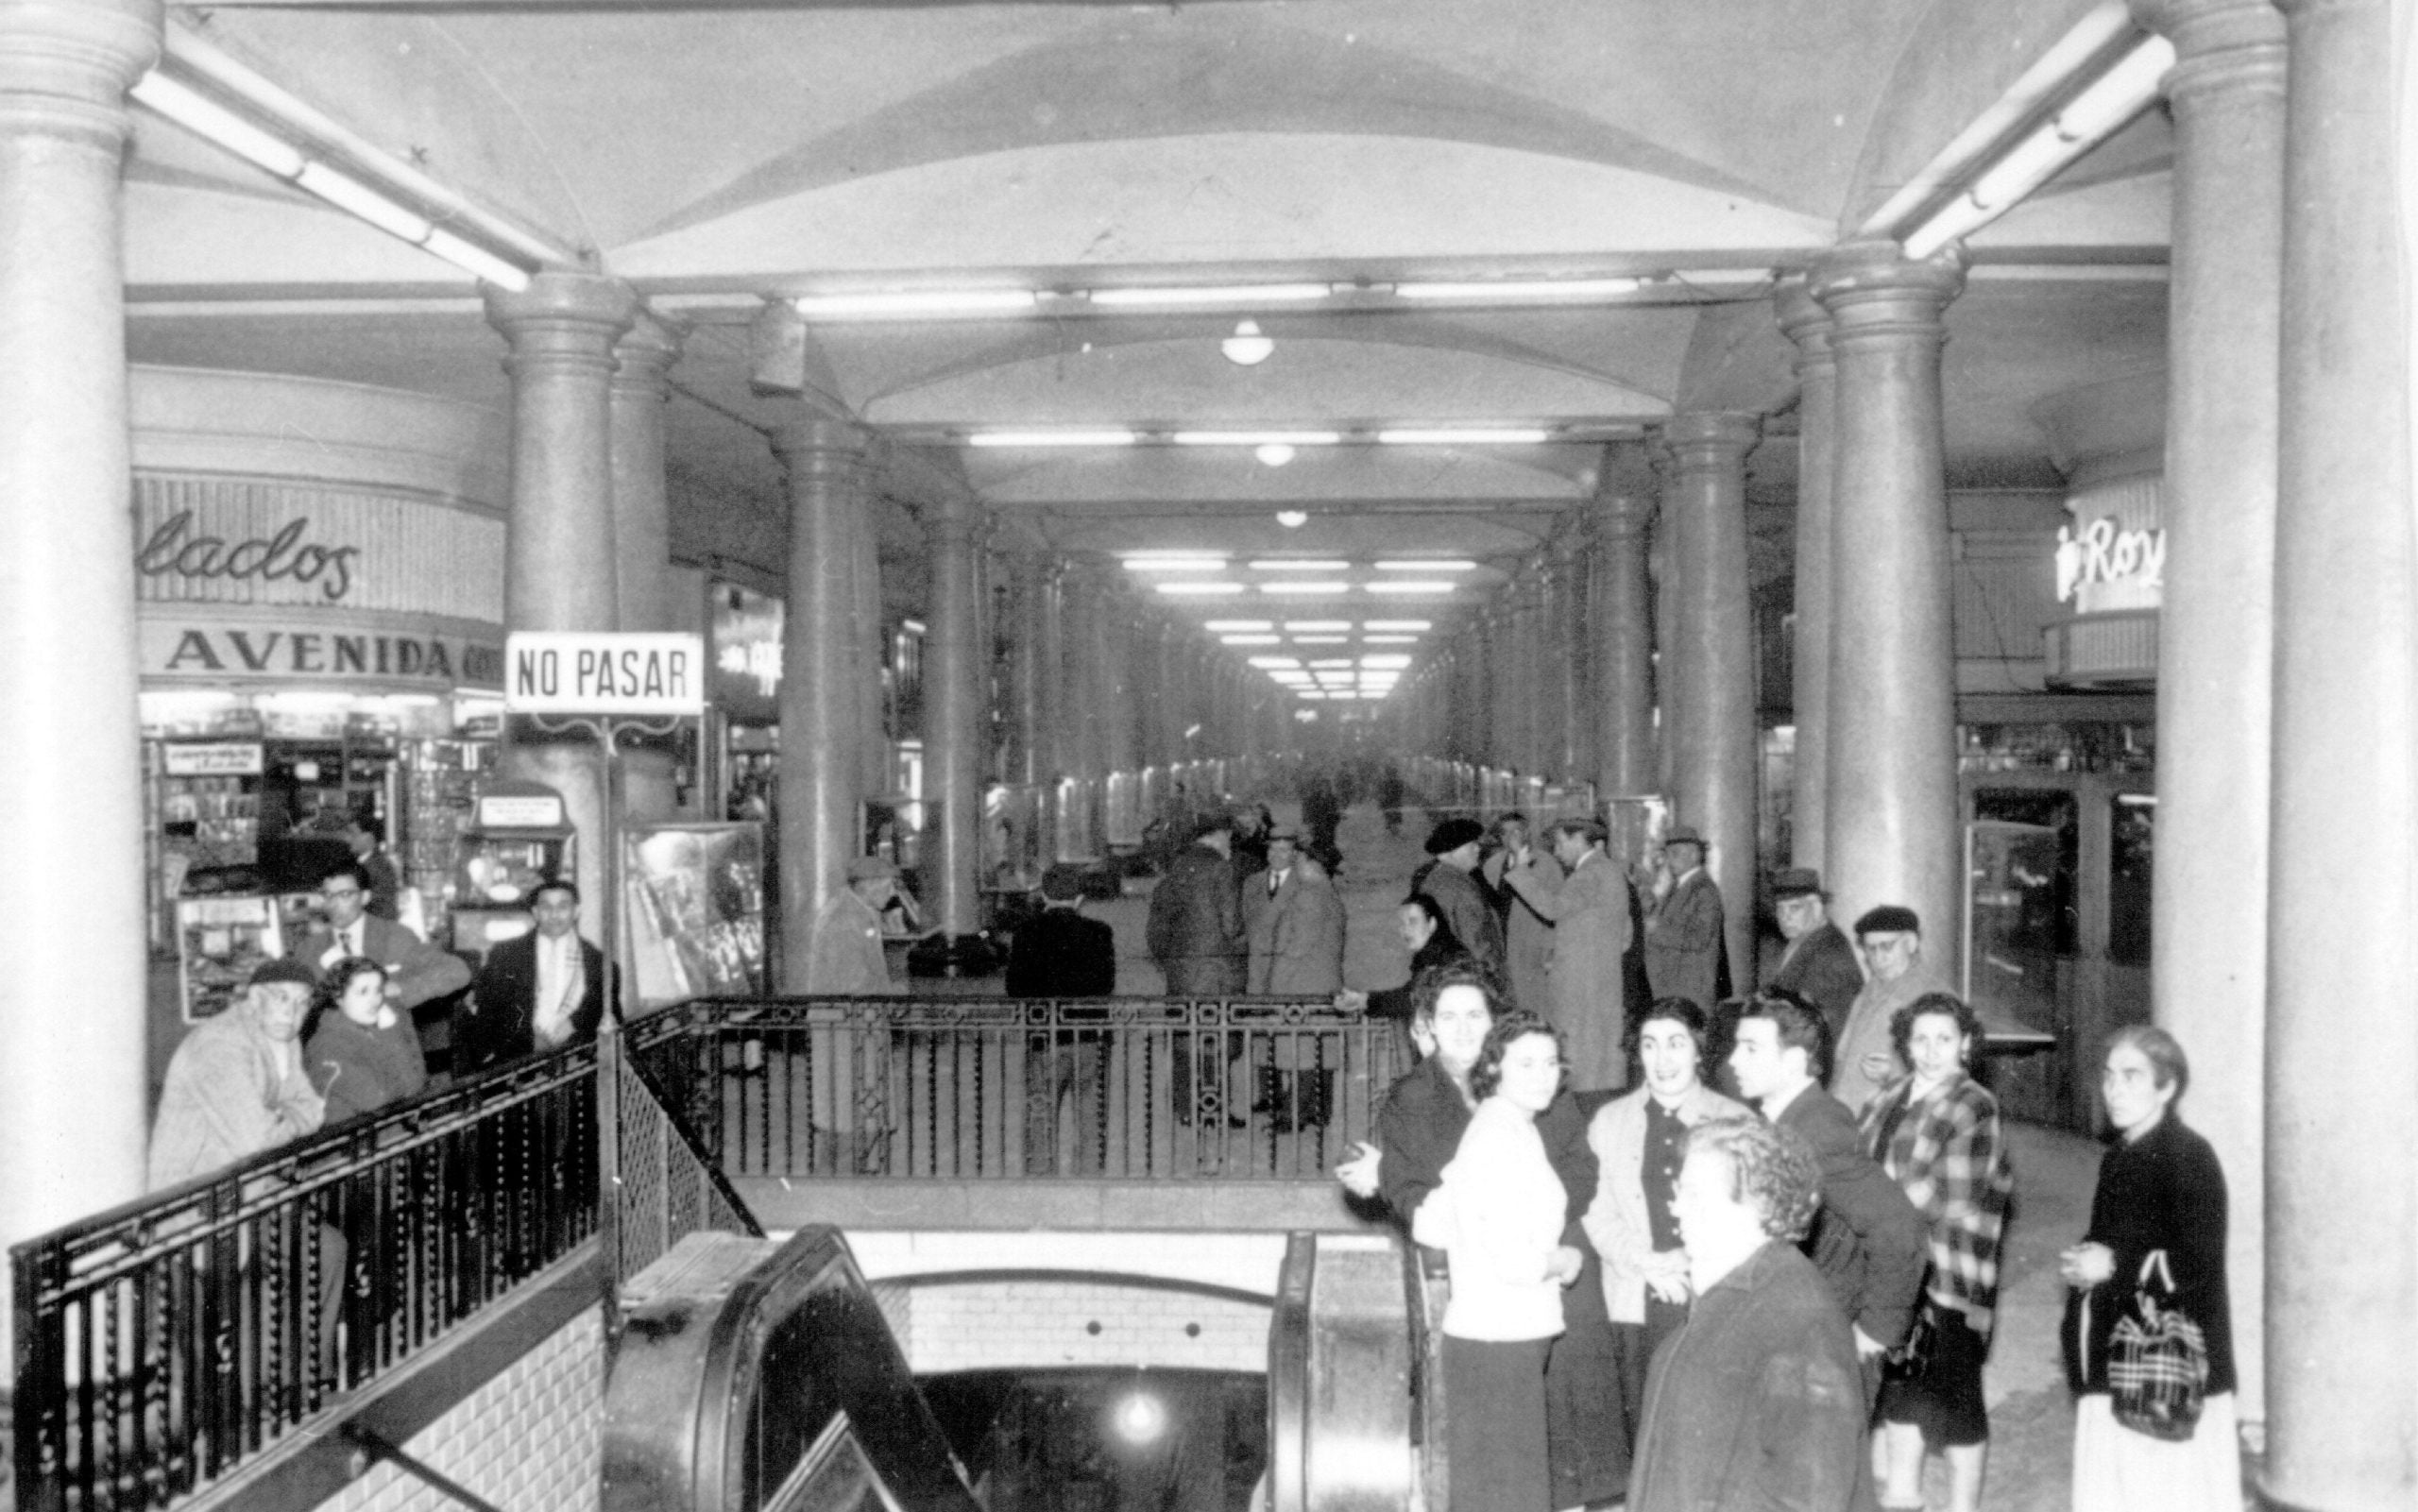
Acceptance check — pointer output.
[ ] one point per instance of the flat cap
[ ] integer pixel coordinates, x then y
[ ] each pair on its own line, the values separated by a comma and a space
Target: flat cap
1452, 834
1890, 918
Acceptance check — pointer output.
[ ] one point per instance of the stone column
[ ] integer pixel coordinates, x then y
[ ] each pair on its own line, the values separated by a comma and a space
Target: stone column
1712, 697
2343, 1055
1621, 623
642, 532
822, 671
1891, 809
870, 636
1568, 677
561, 569
2208, 974
72, 1021
954, 725
1087, 684
1808, 325
1031, 721
1529, 602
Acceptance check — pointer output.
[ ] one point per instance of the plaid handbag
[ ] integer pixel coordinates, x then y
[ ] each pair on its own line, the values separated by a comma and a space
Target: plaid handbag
2157, 1363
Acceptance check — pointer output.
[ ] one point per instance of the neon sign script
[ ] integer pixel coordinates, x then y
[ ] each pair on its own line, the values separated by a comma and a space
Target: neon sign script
2101, 552
174, 547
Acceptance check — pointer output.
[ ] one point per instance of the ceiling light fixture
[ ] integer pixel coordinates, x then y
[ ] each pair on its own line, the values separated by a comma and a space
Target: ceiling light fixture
1317, 625
1331, 664
1199, 590
1052, 438
1274, 454
1522, 289
879, 302
1258, 439
1175, 564
1496, 437
212, 121
1292, 518
1239, 624
1431, 564
1389, 640
1305, 589
1253, 641
1412, 586
1393, 661
1247, 348
1322, 640
1272, 663
1398, 624
1232, 294
1296, 564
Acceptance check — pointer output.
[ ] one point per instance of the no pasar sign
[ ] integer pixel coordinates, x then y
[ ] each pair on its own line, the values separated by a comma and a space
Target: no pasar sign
596, 672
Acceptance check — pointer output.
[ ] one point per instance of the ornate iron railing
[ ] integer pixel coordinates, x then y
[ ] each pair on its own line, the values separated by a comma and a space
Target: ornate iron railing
989, 1088
163, 1343
665, 1183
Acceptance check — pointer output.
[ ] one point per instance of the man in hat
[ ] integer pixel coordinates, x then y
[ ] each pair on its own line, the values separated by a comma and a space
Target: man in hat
1057, 952
843, 951
1196, 928
1454, 886
1683, 951
1519, 869
1060, 952
1890, 939
236, 1086
1293, 921
1817, 964
1588, 911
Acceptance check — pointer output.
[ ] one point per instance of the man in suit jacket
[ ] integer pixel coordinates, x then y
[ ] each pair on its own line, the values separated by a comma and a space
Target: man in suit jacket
1057, 952
416, 971
1589, 914
1293, 923
540, 990
1196, 925
1818, 965
1683, 951
1450, 880
1869, 1243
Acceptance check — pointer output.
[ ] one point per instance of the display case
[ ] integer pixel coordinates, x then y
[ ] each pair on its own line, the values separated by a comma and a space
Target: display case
220, 941
693, 909
519, 837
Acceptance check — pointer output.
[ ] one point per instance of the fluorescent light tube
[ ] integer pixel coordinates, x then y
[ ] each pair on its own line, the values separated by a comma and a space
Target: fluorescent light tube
1408, 565
916, 302
1499, 436
1238, 294
1200, 589
1239, 624
1050, 438
1253, 641
1304, 590
1412, 586
1522, 289
1258, 439
206, 118
476, 260
1297, 564
1317, 625
1398, 624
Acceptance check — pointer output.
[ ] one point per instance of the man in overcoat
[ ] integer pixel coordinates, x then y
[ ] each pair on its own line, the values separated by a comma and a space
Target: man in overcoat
1293, 921
1590, 915
1818, 963
1683, 947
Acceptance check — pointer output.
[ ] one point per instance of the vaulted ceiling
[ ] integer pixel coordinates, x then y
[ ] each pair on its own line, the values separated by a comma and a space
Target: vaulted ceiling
720, 157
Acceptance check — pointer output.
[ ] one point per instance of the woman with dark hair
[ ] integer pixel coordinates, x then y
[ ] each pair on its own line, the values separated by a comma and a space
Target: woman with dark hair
1497, 1213
363, 1054
1936, 1130
2158, 1223
1640, 1141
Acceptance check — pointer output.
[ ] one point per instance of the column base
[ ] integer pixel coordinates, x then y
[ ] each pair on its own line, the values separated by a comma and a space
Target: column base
953, 955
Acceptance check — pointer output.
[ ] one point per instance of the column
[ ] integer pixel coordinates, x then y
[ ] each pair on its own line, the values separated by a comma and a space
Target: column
870, 630
1033, 719
2208, 974
822, 671
71, 1019
2341, 1046
1570, 749
1620, 624
1087, 684
1890, 812
956, 723
1804, 321
641, 387
561, 570
1712, 697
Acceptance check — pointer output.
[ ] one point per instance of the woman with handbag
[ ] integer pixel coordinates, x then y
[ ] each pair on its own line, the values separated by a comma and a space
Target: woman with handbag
1936, 1132
1640, 1142
2148, 1332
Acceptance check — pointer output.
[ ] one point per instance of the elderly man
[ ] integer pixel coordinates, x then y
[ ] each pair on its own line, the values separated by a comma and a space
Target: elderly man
1891, 939
1588, 913
1818, 963
1754, 1403
1869, 1243
1684, 950
1196, 925
1527, 931
236, 1086
1451, 883
1293, 921
843, 953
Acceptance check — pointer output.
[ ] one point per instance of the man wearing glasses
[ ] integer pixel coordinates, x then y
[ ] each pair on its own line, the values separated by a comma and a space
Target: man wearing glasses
416, 971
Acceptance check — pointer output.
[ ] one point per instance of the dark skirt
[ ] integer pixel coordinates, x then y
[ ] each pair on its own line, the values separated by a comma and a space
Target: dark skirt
1945, 1401
1633, 1347
1494, 1437
1587, 1436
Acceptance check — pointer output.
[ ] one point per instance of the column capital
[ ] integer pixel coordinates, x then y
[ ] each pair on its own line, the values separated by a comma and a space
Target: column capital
65, 66
2217, 42
955, 517
1875, 292
562, 321
645, 353
1805, 322
819, 444
1711, 438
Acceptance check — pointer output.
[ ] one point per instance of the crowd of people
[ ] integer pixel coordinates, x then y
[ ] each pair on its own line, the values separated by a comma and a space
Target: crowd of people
1706, 1251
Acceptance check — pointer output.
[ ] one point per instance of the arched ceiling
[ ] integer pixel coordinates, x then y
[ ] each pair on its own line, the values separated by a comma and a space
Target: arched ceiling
724, 157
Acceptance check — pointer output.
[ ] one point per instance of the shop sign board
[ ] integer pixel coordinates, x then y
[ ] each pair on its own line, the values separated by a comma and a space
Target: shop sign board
315, 651
513, 810
2105, 554
224, 759
604, 673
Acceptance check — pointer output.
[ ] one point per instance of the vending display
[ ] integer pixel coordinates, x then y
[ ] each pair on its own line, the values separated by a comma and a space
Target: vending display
693, 900
519, 836
220, 941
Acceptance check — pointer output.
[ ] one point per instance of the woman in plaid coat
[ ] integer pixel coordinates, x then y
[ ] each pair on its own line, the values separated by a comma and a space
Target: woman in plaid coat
1936, 1132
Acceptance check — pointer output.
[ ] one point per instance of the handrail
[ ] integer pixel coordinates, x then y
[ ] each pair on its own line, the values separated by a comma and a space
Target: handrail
168, 1340
844, 1088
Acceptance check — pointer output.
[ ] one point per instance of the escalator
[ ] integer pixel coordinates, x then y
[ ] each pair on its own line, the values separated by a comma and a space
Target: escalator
758, 1375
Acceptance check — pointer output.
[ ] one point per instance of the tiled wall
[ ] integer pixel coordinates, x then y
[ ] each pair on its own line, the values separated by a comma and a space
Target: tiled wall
1040, 1323
527, 1440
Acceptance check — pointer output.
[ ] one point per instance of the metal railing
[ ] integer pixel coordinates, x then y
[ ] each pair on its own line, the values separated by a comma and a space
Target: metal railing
997, 1089
166, 1342
665, 1183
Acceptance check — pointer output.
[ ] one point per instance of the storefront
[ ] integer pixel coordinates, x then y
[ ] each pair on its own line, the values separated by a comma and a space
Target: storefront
320, 576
